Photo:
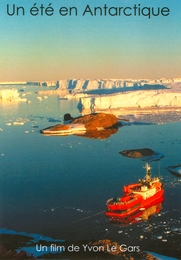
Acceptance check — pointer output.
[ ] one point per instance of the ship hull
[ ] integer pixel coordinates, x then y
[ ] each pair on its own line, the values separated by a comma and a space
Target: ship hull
150, 209
124, 210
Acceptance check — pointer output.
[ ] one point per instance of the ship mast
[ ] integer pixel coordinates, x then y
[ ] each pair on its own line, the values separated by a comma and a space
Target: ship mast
148, 172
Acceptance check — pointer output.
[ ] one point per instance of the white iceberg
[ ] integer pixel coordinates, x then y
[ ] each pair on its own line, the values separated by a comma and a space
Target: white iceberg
11, 95
132, 99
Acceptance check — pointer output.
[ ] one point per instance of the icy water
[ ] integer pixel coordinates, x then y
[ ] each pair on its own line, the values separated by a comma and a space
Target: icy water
58, 186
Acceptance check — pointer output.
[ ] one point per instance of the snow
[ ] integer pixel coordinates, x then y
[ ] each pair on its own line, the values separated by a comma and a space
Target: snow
10, 94
73, 129
134, 99
104, 94
128, 96
77, 85
145, 100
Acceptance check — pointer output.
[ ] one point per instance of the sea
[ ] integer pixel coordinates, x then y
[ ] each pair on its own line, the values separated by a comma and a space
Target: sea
58, 186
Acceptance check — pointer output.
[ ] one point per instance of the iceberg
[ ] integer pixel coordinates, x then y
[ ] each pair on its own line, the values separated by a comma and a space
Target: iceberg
11, 95
106, 86
134, 99
103, 86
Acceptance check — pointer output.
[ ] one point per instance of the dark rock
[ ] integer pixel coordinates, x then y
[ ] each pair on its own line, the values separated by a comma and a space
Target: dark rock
144, 154
97, 121
88, 123
137, 153
68, 117
13, 254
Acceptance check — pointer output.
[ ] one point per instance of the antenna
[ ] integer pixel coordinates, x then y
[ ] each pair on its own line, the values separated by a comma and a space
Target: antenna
148, 168
148, 172
159, 175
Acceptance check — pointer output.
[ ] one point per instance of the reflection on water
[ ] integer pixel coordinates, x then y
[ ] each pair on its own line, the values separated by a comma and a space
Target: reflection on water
143, 214
47, 184
104, 134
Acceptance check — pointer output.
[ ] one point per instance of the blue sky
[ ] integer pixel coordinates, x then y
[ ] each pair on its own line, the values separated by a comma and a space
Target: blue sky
60, 47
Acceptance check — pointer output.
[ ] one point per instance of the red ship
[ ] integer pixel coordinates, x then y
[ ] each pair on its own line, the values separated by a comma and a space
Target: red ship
141, 214
136, 196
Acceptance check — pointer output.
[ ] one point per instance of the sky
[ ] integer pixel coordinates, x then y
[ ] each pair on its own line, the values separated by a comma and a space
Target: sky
41, 47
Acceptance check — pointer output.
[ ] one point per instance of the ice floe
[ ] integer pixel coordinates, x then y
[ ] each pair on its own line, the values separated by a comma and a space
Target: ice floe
176, 170
39, 98
18, 123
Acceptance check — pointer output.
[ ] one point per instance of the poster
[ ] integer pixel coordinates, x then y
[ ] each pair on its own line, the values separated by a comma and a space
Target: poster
115, 62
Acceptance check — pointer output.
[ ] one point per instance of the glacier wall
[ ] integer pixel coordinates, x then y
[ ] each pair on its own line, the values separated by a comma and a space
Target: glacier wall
141, 99
99, 85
